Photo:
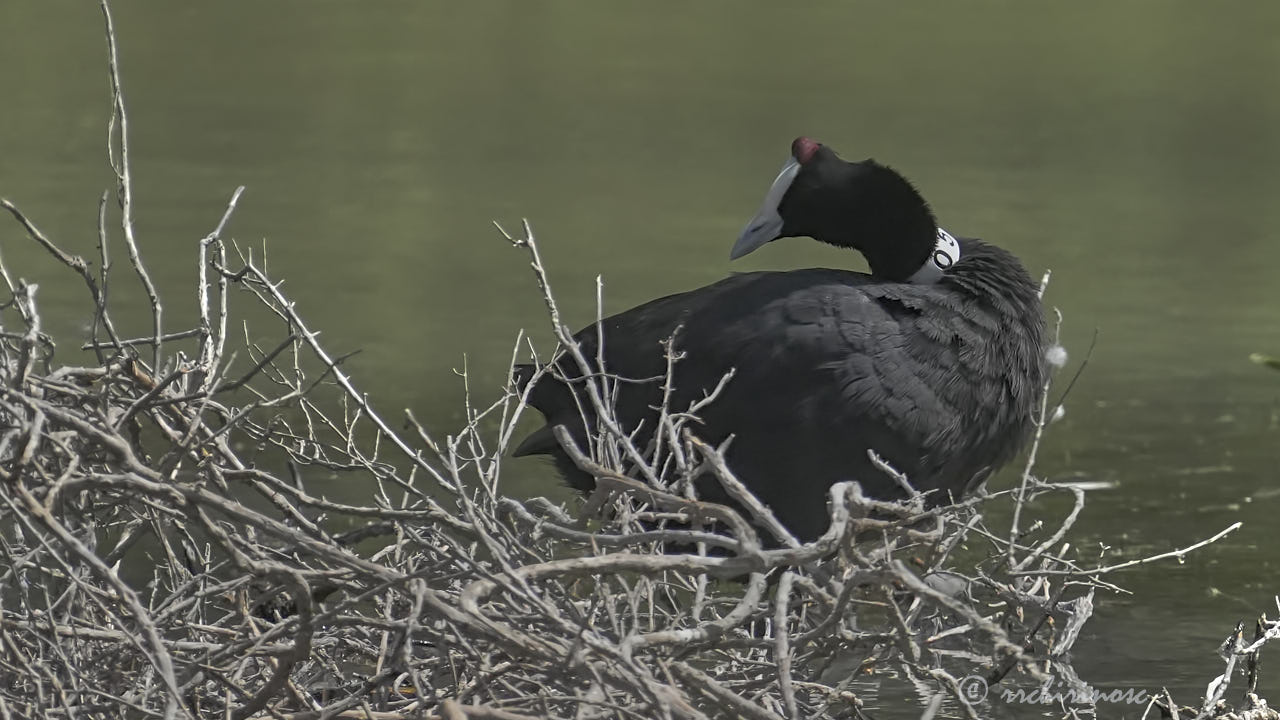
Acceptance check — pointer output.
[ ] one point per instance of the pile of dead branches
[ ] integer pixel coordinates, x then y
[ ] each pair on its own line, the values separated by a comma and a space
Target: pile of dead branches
164, 552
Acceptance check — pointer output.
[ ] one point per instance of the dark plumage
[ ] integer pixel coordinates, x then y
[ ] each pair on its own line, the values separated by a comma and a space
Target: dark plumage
935, 365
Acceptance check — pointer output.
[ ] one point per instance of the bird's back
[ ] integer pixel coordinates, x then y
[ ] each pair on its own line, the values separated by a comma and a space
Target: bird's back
939, 380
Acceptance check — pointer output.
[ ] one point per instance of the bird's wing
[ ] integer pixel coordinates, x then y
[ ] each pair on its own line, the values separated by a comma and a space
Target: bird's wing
904, 365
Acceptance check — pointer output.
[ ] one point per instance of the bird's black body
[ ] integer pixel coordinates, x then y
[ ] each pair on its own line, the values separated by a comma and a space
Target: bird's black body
940, 379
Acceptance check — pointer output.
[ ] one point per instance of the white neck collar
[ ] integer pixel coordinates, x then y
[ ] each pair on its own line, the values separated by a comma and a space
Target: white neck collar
946, 252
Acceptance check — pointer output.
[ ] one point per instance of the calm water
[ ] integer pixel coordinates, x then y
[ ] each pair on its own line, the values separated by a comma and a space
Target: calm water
1135, 151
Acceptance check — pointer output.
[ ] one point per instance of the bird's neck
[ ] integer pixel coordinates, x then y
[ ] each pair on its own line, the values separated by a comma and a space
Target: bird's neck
897, 255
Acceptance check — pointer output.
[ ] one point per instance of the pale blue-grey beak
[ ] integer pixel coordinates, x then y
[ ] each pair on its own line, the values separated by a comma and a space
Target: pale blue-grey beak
767, 223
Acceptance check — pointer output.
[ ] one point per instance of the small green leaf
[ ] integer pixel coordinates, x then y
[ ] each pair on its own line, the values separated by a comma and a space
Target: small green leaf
1271, 362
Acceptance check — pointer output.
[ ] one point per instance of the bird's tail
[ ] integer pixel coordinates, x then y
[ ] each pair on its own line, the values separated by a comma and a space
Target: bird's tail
548, 396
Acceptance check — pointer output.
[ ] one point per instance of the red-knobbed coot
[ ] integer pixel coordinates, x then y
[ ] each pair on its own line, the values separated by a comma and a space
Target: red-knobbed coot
934, 360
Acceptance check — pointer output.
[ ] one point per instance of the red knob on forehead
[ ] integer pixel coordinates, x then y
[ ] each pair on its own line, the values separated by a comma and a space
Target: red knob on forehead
802, 149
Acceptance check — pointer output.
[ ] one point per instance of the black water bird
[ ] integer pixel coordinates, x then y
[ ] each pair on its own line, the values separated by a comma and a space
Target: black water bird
934, 360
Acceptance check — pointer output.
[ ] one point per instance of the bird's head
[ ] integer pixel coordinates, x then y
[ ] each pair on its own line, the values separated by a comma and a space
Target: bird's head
861, 205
